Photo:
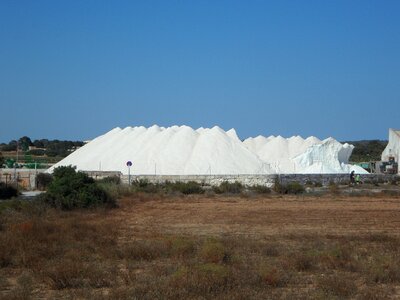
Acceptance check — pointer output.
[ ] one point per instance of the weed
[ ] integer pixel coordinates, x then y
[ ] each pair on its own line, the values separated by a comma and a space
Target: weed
384, 270
271, 250
293, 187
228, 187
213, 251
339, 285
145, 249
187, 188
272, 276
303, 262
260, 189
375, 293
203, 279
333, 188
181, 247
24, 287
111, 180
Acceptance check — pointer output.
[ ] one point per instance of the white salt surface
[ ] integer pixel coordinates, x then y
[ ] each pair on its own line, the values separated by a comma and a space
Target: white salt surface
185, 151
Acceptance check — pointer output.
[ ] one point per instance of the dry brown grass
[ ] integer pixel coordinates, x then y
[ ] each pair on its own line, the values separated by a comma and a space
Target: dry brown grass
196, 247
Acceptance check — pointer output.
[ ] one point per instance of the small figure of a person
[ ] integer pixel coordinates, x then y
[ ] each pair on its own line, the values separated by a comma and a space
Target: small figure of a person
358, 179
352, 178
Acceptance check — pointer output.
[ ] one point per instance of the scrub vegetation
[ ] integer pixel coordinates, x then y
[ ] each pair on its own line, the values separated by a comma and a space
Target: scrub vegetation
201, 245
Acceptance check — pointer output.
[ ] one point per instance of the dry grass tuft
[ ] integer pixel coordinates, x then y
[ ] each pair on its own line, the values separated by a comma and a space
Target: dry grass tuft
340, 285
213, 251
273, 276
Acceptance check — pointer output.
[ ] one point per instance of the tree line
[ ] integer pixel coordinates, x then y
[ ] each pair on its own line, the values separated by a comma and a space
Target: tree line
367, 150
51, 148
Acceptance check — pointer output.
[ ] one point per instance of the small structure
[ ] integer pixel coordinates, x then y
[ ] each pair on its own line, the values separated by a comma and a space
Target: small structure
391, 154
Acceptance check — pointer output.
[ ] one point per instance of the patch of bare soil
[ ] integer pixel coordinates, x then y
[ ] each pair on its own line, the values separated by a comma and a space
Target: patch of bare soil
259, 216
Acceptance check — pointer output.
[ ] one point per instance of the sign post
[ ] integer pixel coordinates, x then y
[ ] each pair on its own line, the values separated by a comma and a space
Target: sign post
129, 164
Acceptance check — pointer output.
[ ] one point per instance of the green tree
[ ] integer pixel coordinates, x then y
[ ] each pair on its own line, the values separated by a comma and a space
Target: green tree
2, 161
24, 143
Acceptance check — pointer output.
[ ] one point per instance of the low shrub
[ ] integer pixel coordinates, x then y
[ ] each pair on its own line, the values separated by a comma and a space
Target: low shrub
145, 249
337, 285
394, 193
213, 251
271, 250
260, 189
7, 191
71, 189
385, 270
272, 276
340, 257
186, 188
43, 180
228, 187
333, 188
145, 186
24, 287
111, 180
375, 293
303, 262
77, 273
293, 187
199, 280
181, 247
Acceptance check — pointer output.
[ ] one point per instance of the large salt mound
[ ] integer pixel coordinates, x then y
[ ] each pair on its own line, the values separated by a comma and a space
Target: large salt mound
185, 151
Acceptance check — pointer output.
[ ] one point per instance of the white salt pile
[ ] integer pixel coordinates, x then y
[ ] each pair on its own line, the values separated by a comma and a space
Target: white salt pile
185, 151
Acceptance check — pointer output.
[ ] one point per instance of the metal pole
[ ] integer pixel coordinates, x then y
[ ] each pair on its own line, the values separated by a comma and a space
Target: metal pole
129, 175
17, 151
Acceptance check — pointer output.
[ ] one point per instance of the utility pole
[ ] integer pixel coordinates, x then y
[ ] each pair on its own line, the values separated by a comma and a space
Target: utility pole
17, 152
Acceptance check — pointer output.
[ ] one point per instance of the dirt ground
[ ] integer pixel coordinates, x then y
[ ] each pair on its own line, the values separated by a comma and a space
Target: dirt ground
206, 247
260, 216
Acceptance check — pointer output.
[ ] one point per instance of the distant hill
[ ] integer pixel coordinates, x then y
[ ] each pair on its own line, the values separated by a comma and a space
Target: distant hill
367, 150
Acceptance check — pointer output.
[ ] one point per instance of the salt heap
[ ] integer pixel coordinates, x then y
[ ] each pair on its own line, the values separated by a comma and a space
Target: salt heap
181, 150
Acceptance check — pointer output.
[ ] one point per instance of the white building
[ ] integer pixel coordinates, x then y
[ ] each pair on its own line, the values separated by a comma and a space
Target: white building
393, 147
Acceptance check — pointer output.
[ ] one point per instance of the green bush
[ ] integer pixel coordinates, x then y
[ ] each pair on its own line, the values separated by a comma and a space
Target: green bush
145, 186
191, 187
7, 191
43, 180
289, 188
260, 189
111, 179
36, 152
186, 188
71, 189
228, 187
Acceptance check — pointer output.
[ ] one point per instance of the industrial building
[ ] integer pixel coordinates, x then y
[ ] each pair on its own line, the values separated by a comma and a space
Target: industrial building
391, 154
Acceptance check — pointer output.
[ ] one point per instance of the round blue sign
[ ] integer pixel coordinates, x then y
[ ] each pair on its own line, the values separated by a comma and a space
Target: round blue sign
129, 163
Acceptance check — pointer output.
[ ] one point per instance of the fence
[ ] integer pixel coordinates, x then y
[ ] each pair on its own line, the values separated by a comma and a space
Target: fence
26, 178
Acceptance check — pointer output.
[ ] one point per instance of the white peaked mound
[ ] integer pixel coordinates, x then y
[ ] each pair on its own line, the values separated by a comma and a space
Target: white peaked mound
181, 150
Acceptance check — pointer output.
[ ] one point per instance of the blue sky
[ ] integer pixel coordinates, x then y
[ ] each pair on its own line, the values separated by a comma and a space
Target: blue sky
76, 69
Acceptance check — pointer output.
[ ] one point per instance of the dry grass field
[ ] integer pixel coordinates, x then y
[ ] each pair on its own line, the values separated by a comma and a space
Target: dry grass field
206, 247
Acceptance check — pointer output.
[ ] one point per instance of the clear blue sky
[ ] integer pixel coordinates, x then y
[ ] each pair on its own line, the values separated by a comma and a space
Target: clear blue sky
76, 69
